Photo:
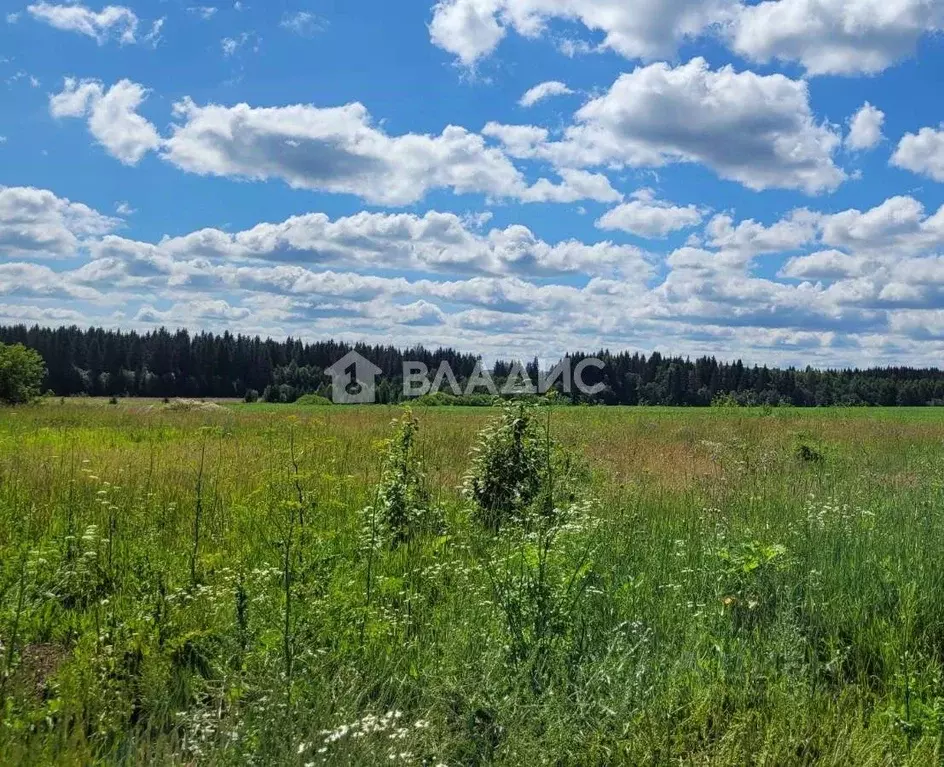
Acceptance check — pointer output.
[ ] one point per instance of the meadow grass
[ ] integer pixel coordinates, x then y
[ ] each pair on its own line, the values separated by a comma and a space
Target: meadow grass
726, 586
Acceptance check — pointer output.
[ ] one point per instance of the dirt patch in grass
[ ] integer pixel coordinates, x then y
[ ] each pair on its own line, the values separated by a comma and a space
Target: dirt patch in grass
38, 664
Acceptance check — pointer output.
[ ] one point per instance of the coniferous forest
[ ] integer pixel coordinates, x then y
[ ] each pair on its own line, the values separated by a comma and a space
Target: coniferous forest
162, 363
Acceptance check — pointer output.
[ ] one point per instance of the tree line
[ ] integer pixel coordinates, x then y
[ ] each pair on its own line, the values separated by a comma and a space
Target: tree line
163, 363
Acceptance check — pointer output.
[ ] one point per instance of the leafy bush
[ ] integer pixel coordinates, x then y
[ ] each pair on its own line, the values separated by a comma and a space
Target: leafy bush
444, 399
725, 399
281, 393
508, 467
313, 399
251, 396
403, 507
22, 372
518, 473
809, 450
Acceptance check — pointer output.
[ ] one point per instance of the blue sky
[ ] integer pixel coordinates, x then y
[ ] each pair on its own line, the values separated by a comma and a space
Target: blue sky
526, 177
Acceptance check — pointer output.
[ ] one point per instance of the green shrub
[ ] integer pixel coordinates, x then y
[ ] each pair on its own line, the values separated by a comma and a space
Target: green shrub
518, 472
809, 450
22, 372
507, 467
313, 399
444, 399
725, 399
403, 509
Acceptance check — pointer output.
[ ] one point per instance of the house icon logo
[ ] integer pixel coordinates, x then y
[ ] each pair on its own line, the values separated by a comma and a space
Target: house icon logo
353, 380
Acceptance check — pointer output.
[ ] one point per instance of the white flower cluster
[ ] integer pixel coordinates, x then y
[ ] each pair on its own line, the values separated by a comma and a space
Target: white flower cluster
382, 729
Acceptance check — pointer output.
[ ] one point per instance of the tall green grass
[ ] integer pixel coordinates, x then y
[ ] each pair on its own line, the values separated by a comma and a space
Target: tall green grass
265, 585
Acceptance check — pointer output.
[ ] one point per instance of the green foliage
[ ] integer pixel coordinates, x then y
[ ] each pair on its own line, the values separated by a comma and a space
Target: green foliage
809, 453
403, 509
809, 450
21, 374
510, 466
747, 579
251, 396
519, 473
313, 400
445, 399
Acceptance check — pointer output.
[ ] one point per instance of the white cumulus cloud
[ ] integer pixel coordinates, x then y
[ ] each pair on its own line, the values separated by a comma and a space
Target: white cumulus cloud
112, 22
331, 149
822, 265
232, 45
544, 91
647, 29
861, 279
922, 152
37, 222
647, 216
843, 37
758, 130
434, 242
335, 149
112, 116
825, 36
865, 128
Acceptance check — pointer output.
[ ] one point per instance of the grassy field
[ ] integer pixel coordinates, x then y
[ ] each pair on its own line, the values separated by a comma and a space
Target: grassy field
254, 584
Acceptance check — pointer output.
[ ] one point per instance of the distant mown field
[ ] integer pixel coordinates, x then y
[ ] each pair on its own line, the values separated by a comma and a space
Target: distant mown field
192, 583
